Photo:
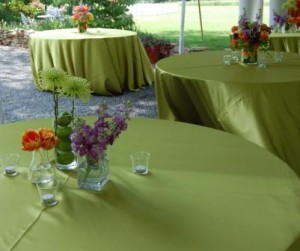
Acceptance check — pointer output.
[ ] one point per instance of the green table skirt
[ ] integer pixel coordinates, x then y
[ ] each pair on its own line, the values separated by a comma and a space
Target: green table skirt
113, 61
287, 42
259, 104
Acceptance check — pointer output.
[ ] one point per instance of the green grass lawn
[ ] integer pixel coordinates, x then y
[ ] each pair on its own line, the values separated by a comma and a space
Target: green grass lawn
216, 20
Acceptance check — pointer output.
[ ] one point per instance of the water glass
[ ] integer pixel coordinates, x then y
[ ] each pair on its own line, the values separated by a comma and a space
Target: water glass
262, 60
9, 164
140, 162
235, 55
278, 56
227, 59
47, 192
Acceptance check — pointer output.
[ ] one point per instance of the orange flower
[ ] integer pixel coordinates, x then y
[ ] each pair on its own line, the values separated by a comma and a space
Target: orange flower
234, 29
264, 35
234, 43
31, 140
264, 27
242, 35
48, 138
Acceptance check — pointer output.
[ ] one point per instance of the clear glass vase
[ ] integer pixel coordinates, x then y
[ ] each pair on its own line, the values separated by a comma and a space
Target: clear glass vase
93, 175
40, 169
249, 56
65, 158
82, 28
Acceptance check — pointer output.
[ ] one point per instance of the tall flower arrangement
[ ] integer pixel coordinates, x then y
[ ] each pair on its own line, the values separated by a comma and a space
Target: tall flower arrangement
61, 84
82, 16
250, 35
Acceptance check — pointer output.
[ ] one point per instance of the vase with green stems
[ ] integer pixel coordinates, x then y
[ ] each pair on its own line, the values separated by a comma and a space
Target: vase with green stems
62, 84
93, 174
90, 143
65, 158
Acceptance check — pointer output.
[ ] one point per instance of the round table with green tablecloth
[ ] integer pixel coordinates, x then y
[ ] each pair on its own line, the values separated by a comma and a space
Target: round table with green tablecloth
207, 190
112, 60
259, 104
287, 42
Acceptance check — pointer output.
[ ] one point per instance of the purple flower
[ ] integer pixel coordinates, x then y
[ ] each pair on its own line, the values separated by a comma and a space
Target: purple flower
278, 19
92, 141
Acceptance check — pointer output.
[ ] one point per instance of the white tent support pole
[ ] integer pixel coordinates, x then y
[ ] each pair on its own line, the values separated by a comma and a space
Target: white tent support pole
251, 8
181, 36
200, 19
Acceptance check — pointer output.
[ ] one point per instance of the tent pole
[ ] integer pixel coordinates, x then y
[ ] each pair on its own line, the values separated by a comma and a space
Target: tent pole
200, 19
181, 37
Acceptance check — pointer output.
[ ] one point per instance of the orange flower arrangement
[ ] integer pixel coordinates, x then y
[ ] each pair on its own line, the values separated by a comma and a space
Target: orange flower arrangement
294, 21
81, 15
250, 35
38, 139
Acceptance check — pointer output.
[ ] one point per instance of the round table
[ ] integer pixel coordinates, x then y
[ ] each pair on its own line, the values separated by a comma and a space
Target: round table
111, 60
207, 190
259, 104
288, 42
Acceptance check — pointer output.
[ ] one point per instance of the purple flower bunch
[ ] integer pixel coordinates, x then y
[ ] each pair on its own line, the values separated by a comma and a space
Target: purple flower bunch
251, 30
92, 141
278, 19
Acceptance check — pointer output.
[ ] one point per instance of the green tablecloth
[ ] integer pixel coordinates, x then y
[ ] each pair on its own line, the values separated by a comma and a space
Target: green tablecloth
288, 42
258, 104
112, 60
207, 190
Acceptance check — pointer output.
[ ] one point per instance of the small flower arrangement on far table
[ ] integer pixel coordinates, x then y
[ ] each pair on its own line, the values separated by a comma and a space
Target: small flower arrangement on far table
280, 21
249, 36
82, 17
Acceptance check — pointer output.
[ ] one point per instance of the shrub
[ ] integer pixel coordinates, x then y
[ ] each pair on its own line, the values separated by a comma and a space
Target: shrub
113, 14
10, 10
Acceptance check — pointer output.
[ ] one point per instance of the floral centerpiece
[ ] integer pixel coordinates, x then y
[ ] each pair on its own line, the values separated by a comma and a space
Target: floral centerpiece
294, 23
249, 36
39, 142
290, 20
90, 142
82, 17
280, 21
61, 84
285, 22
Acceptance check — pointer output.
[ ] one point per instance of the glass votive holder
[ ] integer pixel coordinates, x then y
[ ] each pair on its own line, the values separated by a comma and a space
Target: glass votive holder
262, 61
47, 192
235, 55
227, 59
9, 164
278, 56
140, 162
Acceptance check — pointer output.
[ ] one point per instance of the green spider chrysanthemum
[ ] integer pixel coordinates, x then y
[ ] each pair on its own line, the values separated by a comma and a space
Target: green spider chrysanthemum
77, 87
52, 79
